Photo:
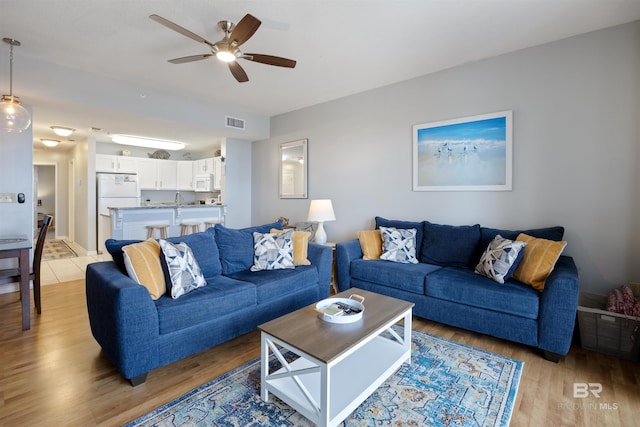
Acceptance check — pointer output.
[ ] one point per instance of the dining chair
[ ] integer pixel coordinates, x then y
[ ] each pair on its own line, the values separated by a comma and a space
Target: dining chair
12, 275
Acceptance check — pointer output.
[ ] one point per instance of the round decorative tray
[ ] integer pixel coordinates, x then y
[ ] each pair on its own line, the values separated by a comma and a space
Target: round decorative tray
341, 310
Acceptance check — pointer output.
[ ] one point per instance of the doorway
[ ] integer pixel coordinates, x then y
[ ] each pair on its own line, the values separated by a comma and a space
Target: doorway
45, 177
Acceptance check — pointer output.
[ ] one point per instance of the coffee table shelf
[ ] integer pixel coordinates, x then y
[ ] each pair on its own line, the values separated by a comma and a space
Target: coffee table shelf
326, 391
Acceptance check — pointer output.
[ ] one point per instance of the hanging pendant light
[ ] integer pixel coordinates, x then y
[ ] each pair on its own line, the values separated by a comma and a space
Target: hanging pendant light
13, 116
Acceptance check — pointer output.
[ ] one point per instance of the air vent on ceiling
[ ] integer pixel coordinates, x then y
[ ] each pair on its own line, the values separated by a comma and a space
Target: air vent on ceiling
232, 122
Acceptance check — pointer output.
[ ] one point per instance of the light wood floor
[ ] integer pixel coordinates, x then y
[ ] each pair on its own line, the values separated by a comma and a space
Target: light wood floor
55, 374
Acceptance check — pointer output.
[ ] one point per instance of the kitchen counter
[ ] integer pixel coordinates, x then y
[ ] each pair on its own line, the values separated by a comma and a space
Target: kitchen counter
131, 222
170, 206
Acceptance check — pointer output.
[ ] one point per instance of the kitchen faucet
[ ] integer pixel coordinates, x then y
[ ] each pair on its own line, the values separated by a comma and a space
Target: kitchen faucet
178, 200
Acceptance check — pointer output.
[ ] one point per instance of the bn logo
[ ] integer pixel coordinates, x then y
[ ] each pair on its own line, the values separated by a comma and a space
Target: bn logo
582, 390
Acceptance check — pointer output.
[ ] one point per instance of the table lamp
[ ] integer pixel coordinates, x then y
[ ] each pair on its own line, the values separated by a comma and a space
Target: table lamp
321, 211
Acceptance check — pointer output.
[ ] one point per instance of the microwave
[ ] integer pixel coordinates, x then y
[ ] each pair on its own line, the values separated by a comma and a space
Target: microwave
203, 183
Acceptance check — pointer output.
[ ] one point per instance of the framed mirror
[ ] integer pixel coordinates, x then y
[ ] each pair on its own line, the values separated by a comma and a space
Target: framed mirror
293, 169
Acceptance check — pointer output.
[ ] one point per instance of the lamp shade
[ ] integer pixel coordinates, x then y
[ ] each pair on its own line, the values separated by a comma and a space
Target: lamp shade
321, 210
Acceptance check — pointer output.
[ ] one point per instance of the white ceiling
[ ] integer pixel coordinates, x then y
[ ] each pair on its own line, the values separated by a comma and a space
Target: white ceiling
70, 47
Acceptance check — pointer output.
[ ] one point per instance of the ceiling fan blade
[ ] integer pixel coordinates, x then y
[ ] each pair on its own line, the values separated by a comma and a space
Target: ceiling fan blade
175, 27
244, 29
238, 72
191, 58
270, 60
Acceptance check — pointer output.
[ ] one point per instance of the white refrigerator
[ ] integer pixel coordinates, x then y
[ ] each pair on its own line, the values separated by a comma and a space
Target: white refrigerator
115, 190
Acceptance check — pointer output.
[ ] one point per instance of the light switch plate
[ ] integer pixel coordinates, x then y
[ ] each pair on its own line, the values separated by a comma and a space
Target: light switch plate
7, 197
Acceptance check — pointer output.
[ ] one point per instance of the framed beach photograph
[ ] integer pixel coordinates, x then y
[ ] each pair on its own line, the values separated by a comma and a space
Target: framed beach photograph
466, 154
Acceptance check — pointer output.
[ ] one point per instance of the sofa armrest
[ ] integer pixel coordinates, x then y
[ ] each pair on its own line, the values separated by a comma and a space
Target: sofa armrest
345, 253
558, 306
123, 319
322, 257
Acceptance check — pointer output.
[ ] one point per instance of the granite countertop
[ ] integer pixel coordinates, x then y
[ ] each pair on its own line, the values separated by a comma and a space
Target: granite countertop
170, 206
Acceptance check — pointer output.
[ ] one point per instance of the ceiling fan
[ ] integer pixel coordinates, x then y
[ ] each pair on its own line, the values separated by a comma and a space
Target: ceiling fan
228, 49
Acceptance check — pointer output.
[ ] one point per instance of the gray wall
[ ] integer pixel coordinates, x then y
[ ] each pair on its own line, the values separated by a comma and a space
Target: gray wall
576, 115
236, 181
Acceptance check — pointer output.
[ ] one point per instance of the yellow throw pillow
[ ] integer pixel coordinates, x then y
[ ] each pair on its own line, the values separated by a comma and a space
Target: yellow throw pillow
142, 261
371, 244
539, 259
300, 246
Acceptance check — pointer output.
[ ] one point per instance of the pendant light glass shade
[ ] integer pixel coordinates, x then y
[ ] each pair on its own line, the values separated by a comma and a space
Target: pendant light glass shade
13, 116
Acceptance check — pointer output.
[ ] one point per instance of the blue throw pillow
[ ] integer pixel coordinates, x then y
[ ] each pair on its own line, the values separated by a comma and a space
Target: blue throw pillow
449, 245
391, 223
500, 259
236, 246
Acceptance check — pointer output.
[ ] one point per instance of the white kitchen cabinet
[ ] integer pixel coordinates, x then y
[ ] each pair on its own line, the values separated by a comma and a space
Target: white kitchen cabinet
155, 174
185, 175
109, 163
203, 166
217, 173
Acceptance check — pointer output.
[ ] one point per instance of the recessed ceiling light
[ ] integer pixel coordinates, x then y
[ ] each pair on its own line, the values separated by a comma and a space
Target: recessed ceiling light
62, 131
141, 141
50, 142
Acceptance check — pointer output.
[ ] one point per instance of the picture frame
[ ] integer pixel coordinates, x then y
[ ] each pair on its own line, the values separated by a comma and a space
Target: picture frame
466, 154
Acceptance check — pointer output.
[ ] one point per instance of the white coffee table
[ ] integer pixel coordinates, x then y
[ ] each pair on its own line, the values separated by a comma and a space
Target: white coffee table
339, 365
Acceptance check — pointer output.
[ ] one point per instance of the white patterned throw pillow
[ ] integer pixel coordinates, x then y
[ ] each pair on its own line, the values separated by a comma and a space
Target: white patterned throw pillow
399, 245
184, 270
272, 251
500, 258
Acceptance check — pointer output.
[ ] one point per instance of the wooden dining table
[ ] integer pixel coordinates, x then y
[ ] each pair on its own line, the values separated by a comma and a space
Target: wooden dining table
19, 247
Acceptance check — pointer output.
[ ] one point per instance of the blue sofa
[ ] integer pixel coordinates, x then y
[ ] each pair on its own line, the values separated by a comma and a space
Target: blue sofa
445, 289
139, 334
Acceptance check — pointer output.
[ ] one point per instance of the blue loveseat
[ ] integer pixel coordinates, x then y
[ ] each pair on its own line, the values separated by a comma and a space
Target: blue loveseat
444, 287
139, 334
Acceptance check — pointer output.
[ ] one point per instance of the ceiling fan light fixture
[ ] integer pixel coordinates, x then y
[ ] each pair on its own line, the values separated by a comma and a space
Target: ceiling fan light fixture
62, 131
50, 142
141, 141
225, 56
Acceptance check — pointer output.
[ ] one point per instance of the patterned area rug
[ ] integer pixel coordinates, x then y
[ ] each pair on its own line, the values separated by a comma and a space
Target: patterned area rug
56, 249
447, 384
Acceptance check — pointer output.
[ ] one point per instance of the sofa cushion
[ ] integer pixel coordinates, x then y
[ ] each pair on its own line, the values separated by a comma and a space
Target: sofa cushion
449, 245
539, 259
272, 251
184, 272
465, 287
500, 259
142, 262
221, 296
392, 223
370, 243
399, 245
203, 246
408, 277
236, 246
273, 284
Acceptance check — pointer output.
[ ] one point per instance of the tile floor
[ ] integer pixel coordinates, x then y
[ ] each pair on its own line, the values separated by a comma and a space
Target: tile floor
67, 269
